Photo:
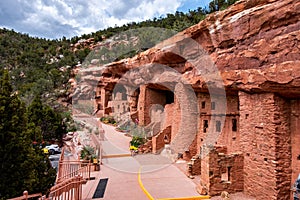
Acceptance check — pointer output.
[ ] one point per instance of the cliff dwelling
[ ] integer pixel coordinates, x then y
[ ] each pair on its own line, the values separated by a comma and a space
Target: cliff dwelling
251, 120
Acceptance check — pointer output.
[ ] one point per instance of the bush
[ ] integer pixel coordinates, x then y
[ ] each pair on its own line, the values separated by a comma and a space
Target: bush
137, 141
87, 153
108, 120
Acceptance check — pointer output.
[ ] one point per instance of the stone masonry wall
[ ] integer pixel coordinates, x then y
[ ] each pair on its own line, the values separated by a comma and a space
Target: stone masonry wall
226, 171
173, 117
147, 98
264, 130
229, 136
158, 141
295, 138
283, 147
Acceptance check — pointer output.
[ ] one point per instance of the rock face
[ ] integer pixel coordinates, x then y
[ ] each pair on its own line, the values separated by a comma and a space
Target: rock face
249, 35
242, 65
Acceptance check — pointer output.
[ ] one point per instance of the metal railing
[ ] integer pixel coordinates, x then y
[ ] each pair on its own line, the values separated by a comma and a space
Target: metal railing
26, 196
69, 189
70, 177
69, 169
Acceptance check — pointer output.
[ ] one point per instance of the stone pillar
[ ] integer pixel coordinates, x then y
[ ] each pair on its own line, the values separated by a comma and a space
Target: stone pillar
103, 98
295, 137
142, 106
265, 142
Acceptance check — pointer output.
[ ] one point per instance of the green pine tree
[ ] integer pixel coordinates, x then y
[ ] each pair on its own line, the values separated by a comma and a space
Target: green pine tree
16, 173
21, 166
44, 117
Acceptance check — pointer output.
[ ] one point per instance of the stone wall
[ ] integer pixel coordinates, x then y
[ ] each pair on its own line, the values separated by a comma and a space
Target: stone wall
295, 138
282, 116
159, 141
147, 98
229, 134
226, 171
222, 172
265, 142
119, 105
194, 166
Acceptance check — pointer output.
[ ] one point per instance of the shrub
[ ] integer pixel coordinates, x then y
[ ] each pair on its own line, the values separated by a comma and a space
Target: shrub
137, 141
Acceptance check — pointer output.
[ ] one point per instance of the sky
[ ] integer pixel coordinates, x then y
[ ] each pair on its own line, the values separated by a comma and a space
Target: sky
54, 19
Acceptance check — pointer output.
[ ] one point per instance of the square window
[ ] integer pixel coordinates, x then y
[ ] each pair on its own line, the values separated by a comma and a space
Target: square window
218, 126
205, 125
213, 105
203, 104
234, 125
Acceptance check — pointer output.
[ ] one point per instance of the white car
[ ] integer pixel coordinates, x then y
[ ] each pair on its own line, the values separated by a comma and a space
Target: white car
53, 148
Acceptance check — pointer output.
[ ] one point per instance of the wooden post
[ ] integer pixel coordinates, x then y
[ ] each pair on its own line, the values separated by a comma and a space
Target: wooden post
89, 168
25, 194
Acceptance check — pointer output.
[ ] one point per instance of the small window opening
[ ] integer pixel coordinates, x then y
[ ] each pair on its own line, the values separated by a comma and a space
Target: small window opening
169, 97
298, 158
203, 104
234, 125
229, 173
166, 139
213, 105
218, 126
226, 176
205, 126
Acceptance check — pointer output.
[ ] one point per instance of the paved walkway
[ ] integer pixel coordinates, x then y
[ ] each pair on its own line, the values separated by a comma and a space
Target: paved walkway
159, 176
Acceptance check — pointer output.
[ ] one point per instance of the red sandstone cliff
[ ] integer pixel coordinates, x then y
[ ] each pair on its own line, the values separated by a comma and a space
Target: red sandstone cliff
255, 45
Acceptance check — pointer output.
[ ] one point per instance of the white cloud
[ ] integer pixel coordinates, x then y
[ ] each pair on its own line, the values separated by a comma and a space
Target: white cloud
57, 18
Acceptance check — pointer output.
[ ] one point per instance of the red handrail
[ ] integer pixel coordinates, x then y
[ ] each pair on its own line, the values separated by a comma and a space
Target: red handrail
68, 189
68, 171
26, 196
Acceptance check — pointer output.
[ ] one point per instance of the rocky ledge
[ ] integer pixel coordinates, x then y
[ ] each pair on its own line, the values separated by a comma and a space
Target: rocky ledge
254, 46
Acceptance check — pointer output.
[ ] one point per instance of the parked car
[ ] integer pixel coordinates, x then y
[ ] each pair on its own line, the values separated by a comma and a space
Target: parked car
53, 148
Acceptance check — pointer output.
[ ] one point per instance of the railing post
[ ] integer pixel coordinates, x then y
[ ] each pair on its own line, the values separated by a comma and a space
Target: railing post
89, 168
25, 194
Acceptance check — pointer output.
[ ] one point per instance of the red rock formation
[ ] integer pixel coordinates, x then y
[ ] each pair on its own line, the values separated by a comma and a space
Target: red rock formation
255, 46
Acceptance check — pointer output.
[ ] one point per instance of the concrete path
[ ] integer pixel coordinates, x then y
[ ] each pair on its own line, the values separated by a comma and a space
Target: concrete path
165, 182
159, 176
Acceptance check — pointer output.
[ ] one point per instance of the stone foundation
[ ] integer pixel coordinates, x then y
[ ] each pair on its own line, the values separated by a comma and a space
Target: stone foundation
222, 171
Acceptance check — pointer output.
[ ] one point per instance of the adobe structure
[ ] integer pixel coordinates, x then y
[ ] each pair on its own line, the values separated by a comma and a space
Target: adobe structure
255, 46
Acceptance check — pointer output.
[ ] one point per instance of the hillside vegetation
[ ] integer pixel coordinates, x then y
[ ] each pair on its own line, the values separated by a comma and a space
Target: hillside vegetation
43, 67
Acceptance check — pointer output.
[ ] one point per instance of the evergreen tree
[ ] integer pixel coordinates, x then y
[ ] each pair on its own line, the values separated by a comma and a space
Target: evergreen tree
16, 171
21, 166
46, 120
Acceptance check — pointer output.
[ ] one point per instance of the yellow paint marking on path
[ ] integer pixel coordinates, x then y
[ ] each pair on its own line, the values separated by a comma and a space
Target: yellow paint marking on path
116, 155
187, 198
180, 198
142, 186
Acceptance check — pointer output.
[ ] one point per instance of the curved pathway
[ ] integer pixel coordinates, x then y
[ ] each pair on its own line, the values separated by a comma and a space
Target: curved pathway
159, 176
